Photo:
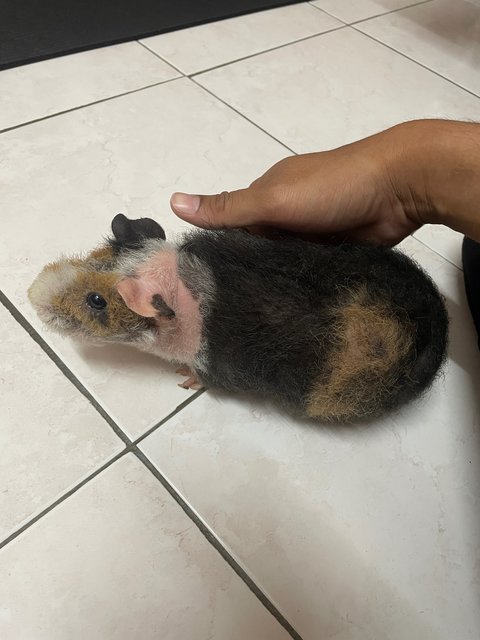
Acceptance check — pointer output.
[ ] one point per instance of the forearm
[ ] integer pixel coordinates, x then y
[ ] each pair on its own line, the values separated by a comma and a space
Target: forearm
434, 168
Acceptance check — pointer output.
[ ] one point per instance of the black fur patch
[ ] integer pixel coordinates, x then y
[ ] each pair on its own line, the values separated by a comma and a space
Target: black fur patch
161, 306
267, 329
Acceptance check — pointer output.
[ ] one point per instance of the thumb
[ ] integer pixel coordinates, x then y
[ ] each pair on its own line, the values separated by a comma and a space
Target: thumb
227, 209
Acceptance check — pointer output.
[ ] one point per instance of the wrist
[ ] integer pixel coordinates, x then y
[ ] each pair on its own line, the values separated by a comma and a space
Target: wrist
434, 169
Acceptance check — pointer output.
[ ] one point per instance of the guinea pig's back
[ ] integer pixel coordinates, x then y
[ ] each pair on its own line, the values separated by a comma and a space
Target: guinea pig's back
261, 325
335, 332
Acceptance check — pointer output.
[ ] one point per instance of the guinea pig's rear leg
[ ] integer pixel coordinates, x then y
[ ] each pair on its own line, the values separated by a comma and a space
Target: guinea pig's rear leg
192, 382
184, 370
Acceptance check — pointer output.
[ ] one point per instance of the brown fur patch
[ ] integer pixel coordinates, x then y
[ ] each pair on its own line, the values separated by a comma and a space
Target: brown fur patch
369, 345
117, 319
104, 253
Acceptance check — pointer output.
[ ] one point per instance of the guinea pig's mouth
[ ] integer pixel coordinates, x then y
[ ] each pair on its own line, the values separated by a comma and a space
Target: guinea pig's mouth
64, 326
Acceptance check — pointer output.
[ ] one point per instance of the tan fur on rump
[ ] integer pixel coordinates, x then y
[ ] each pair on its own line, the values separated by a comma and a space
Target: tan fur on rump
369, 345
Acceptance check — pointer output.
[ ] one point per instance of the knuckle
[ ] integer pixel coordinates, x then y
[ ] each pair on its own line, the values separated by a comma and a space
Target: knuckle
224, 203
218, 207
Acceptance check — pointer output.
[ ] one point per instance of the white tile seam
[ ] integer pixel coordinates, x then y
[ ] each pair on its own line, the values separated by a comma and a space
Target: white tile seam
381, 15
62, 366
160, 423
130, 447
420, 64
210, 536
251, 55
242, 115
319, 34
260, 53
54, 357
193, 77
328, 13
197, 73
345, 25
87, 105
377, 15
170, 64
215, 541
155, 84
62, 497
430, 248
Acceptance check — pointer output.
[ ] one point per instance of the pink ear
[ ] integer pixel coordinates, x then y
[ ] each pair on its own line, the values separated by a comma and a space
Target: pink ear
137, 294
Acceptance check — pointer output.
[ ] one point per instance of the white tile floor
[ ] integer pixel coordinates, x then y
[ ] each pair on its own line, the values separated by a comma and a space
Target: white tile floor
112, 527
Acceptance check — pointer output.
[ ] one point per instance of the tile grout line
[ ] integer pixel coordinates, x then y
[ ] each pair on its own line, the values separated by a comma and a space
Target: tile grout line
420, 64
55, 358
33, 333
269, 50
86, 105
427, 246
259, 53
64, 496
376, 15
156, 84
192, 77
379, 15
160, 57
217, 545
132, 448
168, 417
189, 512
243, 116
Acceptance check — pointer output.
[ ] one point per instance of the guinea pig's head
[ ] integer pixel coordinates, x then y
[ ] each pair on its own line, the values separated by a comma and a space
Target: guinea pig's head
78, 296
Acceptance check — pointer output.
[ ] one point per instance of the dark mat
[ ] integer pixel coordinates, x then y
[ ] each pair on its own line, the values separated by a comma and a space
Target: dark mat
32, 30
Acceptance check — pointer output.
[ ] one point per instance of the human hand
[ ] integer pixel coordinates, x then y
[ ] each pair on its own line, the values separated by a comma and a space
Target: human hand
346, 193
379, 189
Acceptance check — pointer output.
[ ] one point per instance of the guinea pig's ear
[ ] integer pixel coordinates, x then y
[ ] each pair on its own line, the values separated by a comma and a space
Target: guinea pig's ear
141, 296
131, 234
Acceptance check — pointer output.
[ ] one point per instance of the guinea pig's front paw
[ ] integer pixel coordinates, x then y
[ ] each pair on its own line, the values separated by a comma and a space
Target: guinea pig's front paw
192, 382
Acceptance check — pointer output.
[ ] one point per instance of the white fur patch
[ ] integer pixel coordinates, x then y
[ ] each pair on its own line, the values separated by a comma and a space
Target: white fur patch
156, 269
50, 282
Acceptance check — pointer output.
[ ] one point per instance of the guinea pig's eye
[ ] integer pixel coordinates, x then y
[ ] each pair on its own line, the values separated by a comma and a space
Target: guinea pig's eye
96, 301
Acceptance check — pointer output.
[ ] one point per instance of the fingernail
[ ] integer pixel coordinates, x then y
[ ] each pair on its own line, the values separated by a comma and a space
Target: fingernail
185, 203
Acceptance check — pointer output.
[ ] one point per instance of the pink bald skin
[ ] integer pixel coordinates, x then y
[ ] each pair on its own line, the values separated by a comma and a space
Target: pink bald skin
179, 336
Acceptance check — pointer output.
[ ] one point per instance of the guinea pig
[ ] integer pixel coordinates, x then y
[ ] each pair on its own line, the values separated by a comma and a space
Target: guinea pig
333, 332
